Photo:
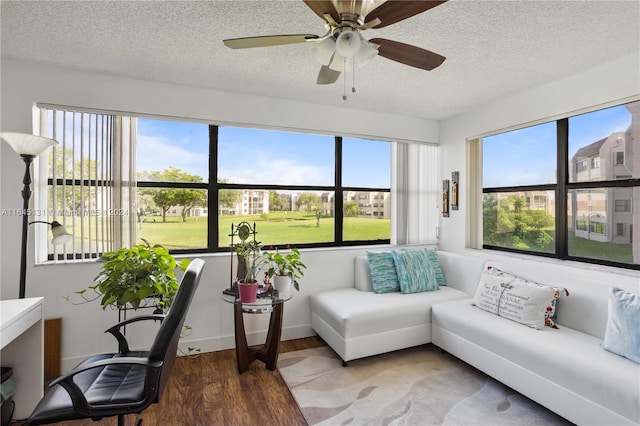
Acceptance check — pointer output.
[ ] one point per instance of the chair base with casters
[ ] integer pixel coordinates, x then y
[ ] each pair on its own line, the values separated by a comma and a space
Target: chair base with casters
126, 382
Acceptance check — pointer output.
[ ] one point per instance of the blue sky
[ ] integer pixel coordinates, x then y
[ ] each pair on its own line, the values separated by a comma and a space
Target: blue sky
261, 156
528, 156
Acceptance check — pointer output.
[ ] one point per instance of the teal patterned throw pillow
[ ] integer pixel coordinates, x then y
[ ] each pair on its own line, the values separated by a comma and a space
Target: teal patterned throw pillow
414, 270
383, 272
432, 254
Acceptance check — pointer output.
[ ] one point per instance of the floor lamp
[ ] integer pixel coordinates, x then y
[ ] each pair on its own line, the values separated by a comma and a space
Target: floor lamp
28, 147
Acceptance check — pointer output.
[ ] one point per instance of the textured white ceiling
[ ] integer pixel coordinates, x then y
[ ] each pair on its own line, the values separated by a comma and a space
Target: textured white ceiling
493, 48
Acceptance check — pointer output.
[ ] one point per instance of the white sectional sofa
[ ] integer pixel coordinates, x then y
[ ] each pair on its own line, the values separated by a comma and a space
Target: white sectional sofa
564, 369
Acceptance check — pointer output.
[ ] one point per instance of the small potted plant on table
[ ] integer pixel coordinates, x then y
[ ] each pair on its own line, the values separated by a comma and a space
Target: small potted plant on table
253, 260
286, 268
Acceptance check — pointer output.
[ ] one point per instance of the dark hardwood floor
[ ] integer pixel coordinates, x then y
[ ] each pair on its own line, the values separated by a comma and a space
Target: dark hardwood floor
207, 390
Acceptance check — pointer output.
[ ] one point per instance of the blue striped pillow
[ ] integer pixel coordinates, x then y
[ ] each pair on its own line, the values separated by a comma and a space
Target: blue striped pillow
383, 272
414, 270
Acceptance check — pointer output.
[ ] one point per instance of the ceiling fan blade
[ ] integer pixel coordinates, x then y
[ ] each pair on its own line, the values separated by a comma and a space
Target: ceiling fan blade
393, 11
407, 54
327, 75
264, 41
323, 7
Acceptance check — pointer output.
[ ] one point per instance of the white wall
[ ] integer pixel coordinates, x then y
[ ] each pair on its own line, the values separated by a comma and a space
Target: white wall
590, 89
23, 84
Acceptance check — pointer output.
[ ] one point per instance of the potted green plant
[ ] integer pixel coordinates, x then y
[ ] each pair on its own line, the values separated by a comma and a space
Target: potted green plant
252, 261
286, 268
129, 277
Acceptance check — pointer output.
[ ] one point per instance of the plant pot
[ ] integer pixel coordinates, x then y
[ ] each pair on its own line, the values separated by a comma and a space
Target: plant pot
282, 283
247, 292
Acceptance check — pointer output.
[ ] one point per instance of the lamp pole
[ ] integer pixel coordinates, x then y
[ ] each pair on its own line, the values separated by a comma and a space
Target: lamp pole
27, 147
26, 195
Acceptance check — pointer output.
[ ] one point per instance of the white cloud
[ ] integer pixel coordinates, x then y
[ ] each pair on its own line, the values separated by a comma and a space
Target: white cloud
158, 153
262, 170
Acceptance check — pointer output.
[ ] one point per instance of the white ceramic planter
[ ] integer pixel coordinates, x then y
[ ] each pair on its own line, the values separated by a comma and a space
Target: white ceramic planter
282, 283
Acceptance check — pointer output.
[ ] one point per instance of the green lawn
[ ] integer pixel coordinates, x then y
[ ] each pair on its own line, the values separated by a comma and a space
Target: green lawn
274, 228
581, 247
594, 249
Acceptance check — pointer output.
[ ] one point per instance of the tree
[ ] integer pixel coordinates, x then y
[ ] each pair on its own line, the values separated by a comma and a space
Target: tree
351, 209
309, 200
511, 223
165, 198
278, 202
188, 199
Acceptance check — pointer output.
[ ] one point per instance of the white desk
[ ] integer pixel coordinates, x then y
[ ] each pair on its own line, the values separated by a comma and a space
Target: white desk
22, 348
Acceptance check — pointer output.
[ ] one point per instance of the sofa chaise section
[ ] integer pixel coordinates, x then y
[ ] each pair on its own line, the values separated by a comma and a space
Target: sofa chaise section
356, 322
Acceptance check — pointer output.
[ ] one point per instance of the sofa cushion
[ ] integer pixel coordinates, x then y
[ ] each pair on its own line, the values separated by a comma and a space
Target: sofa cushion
622, 335
572, 359
382, 270
353, 313
515, 298
414, 270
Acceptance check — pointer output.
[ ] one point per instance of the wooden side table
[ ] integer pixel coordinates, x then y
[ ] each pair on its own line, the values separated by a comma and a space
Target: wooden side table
267, 353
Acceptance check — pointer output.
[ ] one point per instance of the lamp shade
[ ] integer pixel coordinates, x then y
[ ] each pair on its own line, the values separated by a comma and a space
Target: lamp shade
323, 51
348, 43
340, 63
26, 144
60, 234
367, 52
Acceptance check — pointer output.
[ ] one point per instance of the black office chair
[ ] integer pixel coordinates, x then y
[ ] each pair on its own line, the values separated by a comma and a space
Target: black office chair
125, 382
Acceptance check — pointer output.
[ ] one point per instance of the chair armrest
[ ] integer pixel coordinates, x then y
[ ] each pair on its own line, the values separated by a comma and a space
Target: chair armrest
123, 345
80, 403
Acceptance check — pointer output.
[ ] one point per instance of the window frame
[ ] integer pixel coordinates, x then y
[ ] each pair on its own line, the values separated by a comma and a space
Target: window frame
213, 188
562, 189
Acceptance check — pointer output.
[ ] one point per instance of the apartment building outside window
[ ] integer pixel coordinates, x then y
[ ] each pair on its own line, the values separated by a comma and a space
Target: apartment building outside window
288, 183
568, 189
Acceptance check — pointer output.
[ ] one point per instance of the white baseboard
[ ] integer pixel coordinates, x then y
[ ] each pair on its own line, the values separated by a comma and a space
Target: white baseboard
212, 344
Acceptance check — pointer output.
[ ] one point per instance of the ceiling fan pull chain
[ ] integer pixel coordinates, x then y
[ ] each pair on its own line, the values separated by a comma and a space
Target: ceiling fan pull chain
353, 85
344, 80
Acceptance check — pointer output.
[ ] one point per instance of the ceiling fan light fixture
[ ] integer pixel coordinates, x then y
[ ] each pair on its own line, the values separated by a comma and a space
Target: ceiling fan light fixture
323, 50
367, 52
340, 63
348, 43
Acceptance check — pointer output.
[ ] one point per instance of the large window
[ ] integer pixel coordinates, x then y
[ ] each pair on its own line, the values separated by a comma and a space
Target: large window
568, 189
186, 183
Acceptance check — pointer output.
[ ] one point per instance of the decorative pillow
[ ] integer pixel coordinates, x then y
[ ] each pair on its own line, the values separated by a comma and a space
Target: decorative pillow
432, 255
515, 298
622, 335
383, 272
414, 270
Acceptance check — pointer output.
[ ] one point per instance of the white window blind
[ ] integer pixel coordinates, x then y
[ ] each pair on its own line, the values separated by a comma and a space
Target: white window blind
90, 182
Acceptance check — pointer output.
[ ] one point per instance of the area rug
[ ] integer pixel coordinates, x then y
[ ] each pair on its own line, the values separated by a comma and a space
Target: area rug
417, 386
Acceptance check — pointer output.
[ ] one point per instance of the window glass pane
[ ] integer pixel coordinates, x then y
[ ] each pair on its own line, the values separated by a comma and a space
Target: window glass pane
281, 217
604, 144
91, 227
367, 216
275, 158
598, 231
520, 220
521, 157
366, 163
175, 218
172, 151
